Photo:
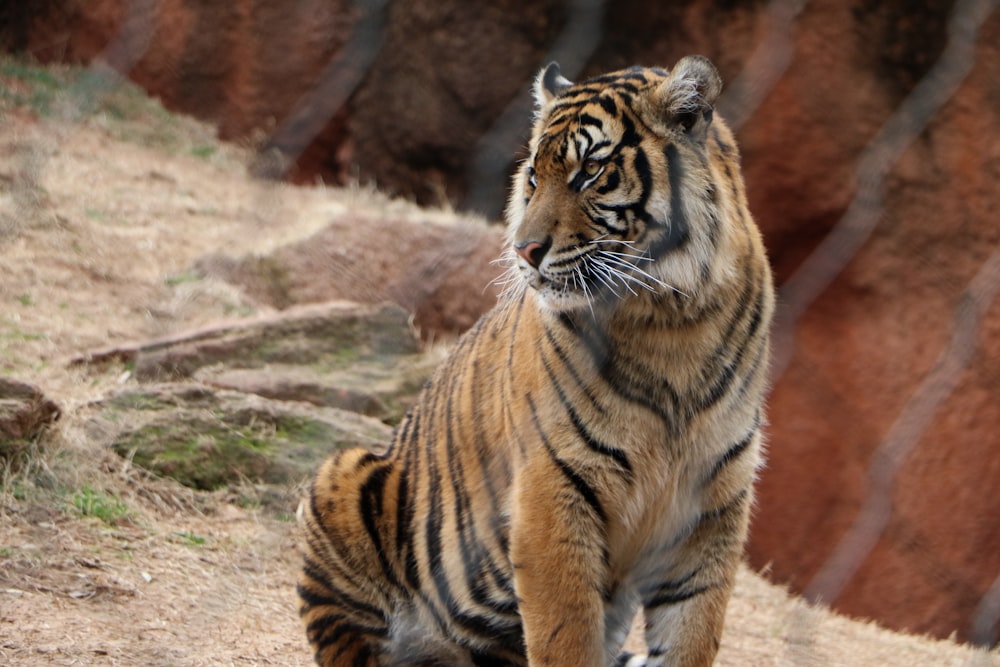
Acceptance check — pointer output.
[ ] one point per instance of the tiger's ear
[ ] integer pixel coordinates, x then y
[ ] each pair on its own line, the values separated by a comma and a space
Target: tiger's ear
686, 99
549, 83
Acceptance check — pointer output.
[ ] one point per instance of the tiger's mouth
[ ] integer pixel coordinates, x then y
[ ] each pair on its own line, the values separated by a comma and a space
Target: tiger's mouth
600, 270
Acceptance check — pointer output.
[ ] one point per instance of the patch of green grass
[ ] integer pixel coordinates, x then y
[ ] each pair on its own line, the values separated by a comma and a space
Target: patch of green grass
191, 539
203, 151
21, 336
249, 502
6, 552
106, 507
25, 299
182, 278
28, 73
119, 107
30, 85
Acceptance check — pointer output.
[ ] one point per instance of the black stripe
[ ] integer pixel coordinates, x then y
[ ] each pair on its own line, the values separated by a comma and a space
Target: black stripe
480, 437
717, 137
678, 228
564, 358
623, 659
640, 163
724, 378
371, 510
513, 328
731, 454
674, 597
608, 104
338, 598
585, 435
481, 658
725, 509
483, 626
585, 119
630, 137
407, 507
653, 393
328, 630
476, 558
580, 484
668, 585
363, 656
611, 181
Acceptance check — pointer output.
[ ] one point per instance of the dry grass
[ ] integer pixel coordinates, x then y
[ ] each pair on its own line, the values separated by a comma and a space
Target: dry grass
101, 216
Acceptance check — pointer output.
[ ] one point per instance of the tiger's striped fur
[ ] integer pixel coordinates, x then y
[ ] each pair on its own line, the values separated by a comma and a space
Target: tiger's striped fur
589, 448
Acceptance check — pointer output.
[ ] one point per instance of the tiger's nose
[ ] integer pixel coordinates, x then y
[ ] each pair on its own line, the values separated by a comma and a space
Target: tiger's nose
533, 252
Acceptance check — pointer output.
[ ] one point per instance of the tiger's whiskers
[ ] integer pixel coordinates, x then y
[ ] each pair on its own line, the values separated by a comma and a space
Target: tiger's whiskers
612, 268
509, 281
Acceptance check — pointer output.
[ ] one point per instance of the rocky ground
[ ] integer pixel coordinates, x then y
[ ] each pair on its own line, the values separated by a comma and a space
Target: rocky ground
148, 492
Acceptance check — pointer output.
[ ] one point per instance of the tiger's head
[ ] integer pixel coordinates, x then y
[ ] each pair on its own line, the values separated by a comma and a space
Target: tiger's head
619, 195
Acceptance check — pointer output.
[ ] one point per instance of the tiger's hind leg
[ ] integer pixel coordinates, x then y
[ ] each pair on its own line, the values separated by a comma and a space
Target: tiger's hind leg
339, 634
685, 610
345, 602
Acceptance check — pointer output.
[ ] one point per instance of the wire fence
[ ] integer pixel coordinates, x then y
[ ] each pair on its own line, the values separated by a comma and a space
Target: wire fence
763, 69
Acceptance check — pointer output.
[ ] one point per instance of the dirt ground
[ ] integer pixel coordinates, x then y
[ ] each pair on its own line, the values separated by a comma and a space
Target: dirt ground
102, 215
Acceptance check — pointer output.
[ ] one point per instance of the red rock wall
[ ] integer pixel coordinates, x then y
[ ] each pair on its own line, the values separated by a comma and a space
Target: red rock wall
411, 114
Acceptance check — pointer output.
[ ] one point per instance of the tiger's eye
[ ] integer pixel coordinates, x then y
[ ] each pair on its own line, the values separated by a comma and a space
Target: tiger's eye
591, 167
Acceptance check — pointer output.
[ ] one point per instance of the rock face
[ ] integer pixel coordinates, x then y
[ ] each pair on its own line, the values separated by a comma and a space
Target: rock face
884, 405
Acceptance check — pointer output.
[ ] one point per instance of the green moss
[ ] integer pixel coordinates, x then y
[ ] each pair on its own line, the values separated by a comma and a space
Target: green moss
303, 430
199, 453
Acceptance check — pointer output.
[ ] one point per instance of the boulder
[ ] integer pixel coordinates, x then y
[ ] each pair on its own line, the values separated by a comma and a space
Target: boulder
24, 413
209, 439
444, 273
362, 358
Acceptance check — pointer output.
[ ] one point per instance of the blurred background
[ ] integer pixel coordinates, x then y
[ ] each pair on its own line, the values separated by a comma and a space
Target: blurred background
870, 134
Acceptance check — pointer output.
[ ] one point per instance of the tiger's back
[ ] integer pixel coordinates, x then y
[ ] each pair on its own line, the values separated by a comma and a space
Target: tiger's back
589, 447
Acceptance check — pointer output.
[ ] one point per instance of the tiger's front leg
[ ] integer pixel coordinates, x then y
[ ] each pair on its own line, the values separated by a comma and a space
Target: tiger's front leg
557, 552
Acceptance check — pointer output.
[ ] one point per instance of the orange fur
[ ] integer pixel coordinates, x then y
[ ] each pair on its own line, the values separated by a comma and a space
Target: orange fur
589, 448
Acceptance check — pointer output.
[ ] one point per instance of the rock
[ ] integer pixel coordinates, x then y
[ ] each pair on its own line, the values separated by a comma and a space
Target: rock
24, 413
264, 400
334, 335
444, 274
362, 358
383, 388
208, 439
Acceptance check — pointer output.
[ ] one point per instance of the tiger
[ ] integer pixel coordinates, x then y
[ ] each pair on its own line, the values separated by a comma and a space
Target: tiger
588, 449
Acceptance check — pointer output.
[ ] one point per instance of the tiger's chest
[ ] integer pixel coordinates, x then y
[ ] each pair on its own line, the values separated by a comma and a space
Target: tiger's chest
668, 496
